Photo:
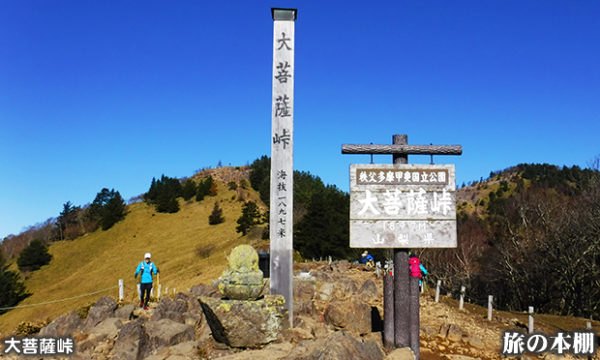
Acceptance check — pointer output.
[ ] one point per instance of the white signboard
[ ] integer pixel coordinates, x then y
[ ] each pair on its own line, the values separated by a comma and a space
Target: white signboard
402, 206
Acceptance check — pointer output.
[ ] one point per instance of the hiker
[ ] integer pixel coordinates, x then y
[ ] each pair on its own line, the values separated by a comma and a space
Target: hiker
146, 268
416, 268
367, 259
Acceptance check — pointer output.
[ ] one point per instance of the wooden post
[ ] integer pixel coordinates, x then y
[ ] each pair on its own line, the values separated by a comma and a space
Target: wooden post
282, 157
588, 325
531, 320
388, 309
490, 302
121, 291
166, 289
159, 290
422, 287
461, 302
414, 324
402, 317
139, 291
437, 290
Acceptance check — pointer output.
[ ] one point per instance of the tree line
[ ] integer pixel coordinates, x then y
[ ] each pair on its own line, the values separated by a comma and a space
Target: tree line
537, 243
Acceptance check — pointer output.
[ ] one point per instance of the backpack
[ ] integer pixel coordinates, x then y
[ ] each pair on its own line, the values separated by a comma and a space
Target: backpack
143, 267
415, 268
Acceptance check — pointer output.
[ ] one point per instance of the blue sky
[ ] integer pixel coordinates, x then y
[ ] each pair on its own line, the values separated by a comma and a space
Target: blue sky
100, 94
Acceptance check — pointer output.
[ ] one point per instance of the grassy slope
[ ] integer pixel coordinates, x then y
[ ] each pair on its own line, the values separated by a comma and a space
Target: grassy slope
96, 261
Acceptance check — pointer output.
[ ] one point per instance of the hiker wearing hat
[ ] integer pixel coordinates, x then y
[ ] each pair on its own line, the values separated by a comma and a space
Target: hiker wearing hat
367, 259
146, 268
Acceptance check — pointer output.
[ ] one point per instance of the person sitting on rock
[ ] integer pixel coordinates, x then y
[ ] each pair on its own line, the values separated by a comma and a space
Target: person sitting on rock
367, 259
146, 268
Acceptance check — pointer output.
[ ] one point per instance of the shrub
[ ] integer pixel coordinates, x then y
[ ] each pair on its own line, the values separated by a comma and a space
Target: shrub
232, 185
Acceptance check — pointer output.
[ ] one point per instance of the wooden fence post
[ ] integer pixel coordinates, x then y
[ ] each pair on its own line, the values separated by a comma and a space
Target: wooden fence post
531, 319
461, 302
121, 292
490, 302
588, 325
388, 309
159, 289
437, 290
139, 291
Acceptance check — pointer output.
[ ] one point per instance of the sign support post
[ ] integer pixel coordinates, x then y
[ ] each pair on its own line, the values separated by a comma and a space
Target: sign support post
417, 210
282, 157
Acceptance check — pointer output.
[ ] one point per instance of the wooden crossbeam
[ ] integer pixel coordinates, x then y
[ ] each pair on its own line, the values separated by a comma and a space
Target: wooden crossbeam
402, 149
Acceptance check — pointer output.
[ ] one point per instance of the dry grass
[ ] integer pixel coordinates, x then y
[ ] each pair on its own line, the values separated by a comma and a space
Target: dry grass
96, 261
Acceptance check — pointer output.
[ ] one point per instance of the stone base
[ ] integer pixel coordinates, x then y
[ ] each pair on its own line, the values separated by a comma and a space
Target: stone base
246, 324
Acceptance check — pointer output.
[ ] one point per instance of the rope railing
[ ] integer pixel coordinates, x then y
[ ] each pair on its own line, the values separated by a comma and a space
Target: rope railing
57, 301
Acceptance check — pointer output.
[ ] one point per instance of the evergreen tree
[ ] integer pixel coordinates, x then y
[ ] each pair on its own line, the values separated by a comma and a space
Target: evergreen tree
163, 194
107, 208
113, 211
188, 189
167, 203
67, 218
204, 188
250, 217
216, 217
34, 256
12, 289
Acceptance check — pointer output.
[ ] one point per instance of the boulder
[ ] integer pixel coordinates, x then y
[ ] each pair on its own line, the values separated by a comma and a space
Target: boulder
132, 342
474, 341
65, 325
125, 312
103, 309
240, 323
205, 290
404, 353
107, 328
368, 291
168, 308
352, 315
304, 292
337, 345
344, 288
166, 332
242, 280
455, 333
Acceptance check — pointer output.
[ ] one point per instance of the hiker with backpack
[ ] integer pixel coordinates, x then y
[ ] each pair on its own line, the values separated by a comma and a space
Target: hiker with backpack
146, 268
416, 268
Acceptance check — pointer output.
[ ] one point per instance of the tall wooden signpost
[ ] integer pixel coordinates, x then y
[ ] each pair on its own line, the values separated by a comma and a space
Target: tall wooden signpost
282, 156
402, 206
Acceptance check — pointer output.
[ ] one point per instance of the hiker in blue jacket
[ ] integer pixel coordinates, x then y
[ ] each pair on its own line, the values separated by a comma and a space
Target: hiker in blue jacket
146, 268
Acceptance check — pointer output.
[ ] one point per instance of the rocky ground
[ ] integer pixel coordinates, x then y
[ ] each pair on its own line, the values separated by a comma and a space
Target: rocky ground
338, 312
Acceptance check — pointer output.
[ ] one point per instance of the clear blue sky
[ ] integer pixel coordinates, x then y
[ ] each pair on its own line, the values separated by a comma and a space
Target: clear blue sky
100, 94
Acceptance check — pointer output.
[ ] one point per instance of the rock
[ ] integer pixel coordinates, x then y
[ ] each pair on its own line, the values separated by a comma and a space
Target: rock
368, 291
299, 334
132, 342
341, 266
188, 348
107, 328
205, 290
404, 353
353, 315
376, 337
443, 330
441, 348
428, 330
240, 323
62, 326
344, 288
304, 292
474, 341
166, 332
337, 345
125, 312
270, 352
325, 291
455, 333
458, 357
103, 309
168, 308
243, 280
